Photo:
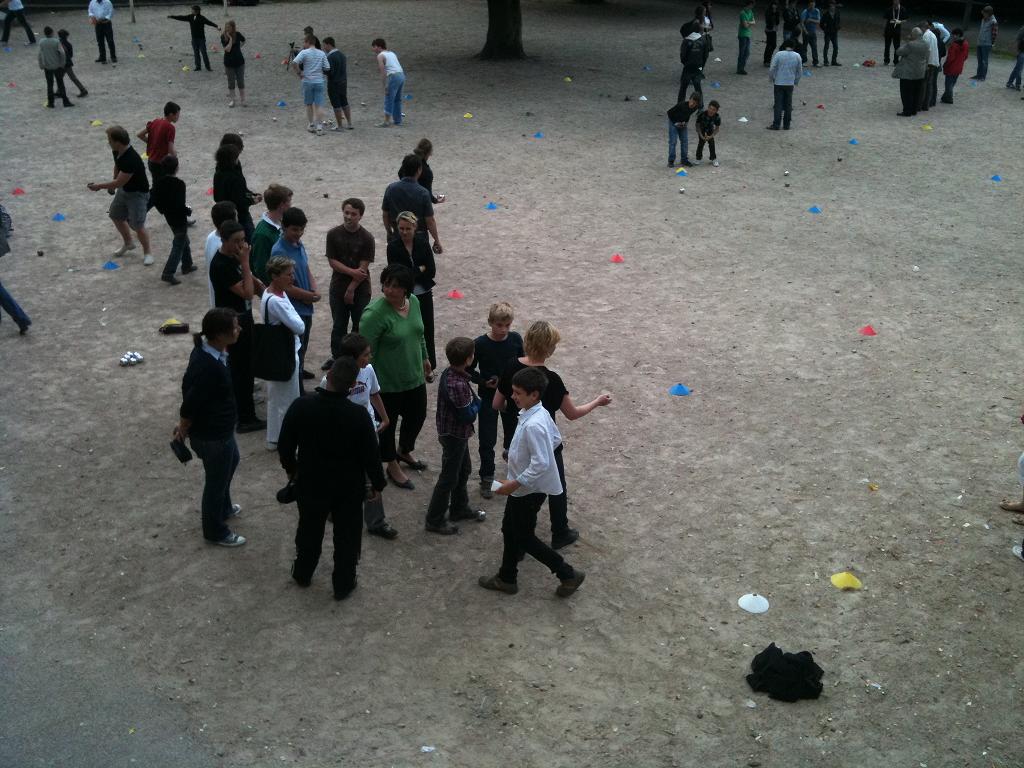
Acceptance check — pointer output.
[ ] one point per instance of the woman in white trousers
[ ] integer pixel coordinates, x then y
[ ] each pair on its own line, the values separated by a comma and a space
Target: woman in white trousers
276, 309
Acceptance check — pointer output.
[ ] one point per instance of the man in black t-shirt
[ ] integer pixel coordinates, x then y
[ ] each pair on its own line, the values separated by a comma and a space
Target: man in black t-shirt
233, 288
130, 188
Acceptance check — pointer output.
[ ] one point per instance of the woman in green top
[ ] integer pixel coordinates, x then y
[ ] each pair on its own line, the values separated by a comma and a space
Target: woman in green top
394, 327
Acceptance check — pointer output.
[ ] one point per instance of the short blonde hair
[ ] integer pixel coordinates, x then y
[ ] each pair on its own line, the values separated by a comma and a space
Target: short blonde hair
501, 312
278, 265
407, 216
541, 339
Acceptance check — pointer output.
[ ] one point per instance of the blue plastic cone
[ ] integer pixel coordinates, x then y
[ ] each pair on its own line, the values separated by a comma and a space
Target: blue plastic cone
679, 390
491, 206
682, 172
58, 217
854, 142
538, 135
282, 103
111, 265
814, 209
997, 177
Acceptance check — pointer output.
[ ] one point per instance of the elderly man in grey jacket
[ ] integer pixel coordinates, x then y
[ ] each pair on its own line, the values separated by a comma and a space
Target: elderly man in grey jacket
51, 61
911, 70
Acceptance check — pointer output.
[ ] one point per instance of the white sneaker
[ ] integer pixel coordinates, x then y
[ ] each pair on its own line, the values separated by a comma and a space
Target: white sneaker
231, 103
319, 130
148, 259
123, 250
714, 163
698, 161
231, 540
271, 446
236, 510
1018, 553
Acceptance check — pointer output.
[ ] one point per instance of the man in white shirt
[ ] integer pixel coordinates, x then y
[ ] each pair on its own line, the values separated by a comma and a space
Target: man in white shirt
101, 13
532, 476
310, 64
929, 94
15, 11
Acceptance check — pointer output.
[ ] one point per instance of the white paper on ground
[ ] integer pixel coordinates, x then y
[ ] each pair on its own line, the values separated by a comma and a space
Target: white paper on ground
753, 603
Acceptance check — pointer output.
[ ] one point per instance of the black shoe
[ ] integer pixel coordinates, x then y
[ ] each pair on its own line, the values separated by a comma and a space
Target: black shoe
83, 94
836, 64
495, 583
385, 531
904, 114
101, 61
473, 515
408, 484
49, 106
23, 329
944, 100
419, 466
300, 582
342, 594
686, 163
307, 375
568, 586
113, 60
671, 163
328, 364
444, 529
772, 127
564, 538
170, 279
825, 63
252, 425
189, 270
68, 104
741, 71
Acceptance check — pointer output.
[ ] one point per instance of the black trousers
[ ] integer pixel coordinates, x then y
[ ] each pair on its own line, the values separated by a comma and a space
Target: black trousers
341, 313
910, 95
105, 37
348, 537
199, 49
70, 72
930, 87
240, 363
307, 320
427, 310
518, 531
831, 38
156, 170
711, 148
55, 76
411, 407
690, 79
450, 489
18, 16
770, 41
893, 37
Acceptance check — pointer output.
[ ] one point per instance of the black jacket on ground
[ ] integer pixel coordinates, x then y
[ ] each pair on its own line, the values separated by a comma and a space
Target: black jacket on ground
336, 446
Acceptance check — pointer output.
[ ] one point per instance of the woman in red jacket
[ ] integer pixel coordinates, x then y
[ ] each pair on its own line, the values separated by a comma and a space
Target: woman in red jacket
956, 55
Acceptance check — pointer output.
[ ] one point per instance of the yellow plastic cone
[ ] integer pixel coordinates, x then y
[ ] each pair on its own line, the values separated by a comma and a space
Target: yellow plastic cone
567, 79
468, 115
186, 68
96, 123
846, 580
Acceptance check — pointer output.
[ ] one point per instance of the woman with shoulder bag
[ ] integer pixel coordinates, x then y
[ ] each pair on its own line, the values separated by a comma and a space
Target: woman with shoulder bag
277, 310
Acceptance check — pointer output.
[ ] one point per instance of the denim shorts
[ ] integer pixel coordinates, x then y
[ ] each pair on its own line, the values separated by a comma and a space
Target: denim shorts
130, 207
313, 93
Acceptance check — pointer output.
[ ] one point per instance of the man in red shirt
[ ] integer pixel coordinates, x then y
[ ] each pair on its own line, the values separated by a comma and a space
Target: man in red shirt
159, 137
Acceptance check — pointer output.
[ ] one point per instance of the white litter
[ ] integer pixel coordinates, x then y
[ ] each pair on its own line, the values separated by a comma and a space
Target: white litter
743, 120
753, 603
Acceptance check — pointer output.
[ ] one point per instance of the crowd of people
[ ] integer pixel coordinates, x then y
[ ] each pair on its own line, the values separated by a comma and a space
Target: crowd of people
930, 46
342, 444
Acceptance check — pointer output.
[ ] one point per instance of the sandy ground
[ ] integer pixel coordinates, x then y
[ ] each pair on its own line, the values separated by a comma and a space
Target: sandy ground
758, 481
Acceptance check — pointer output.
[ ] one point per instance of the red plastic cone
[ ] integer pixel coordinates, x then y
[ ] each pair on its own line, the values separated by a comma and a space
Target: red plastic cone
209, 192
18, 191
867, 330
455, 294
617, 258
821, 106
258, 56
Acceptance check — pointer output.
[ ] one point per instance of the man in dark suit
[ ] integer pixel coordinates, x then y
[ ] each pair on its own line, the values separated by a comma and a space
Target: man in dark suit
894, 18
328, 447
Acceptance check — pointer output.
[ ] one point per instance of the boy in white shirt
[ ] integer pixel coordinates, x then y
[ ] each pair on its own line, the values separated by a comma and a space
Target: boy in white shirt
532, 475
221, 212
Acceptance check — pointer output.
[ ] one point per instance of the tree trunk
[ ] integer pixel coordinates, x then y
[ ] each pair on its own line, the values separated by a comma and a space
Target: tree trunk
504, 31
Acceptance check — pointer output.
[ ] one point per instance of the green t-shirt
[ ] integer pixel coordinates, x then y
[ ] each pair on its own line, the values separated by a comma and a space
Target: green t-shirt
397, 344
264, 238
745, 15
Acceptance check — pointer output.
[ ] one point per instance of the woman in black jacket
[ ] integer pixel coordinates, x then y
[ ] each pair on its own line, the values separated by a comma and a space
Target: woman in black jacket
69, 62
423, 151
414, 252
229, 184
207, 420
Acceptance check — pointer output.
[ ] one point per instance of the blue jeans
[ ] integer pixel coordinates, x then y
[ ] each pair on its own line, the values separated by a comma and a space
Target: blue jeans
983, 52
487, 431
1015, 74
393, 97
220, 460
10, 306
744, 54
199, 49
811, 40
783, 106
681, 135
181, 253
947, 94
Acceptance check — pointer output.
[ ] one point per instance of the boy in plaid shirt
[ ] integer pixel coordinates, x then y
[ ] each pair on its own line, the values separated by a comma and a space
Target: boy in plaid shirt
457, 407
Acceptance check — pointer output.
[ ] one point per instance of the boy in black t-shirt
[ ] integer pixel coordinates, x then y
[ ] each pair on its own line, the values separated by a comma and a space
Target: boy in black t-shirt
168, 197
709, 123
678, 125
494, 350
130, 188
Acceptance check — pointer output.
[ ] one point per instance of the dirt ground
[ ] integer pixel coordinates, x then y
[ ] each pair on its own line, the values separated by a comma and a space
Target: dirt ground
756, 482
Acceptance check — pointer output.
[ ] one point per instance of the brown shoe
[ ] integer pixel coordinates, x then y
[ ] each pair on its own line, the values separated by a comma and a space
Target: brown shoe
568, 586
495, 583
